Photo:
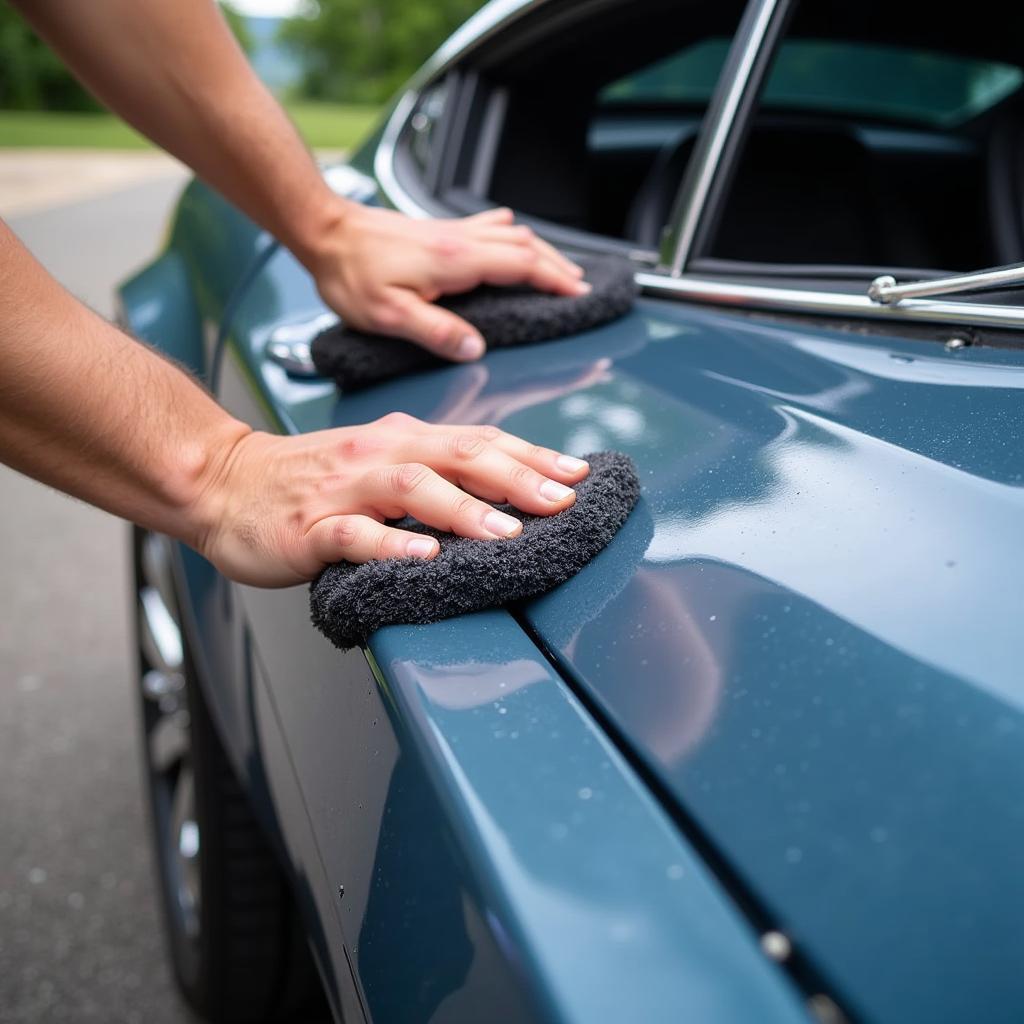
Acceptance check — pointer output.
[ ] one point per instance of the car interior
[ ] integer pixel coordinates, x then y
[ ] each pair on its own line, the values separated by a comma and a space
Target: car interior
885, 136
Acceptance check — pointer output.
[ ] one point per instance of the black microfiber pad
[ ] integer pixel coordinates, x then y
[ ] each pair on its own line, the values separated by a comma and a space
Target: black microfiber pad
348, 602
504, 316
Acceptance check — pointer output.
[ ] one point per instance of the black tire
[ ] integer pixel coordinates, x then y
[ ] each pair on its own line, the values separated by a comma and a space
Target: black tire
239, 952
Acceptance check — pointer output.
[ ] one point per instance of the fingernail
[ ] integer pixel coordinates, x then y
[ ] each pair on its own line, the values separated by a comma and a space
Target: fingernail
584, 287
471, 347
577, 270
554, 491
502, 525
421, 547
567, 464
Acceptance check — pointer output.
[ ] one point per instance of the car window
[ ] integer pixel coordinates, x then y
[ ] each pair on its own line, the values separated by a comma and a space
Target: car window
686, 77
901, 151
530, 124
896, 83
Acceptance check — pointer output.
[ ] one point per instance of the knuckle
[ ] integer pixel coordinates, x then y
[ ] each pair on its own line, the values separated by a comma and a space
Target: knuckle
520, 476
388, 316
382, 545
398, 419
447, 246
465, 507
490, 433
350, 448
466, 447
439, 334
407, 478
345, 533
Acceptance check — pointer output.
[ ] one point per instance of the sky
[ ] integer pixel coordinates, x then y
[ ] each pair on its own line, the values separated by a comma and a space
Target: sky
269, 8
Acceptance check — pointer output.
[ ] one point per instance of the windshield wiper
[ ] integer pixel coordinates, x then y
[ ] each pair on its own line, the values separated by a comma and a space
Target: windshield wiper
887, 292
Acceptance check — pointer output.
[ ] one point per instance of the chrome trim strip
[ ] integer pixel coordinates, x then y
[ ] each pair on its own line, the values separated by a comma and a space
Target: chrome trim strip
384, 158
697, 184
801, 300
885, 290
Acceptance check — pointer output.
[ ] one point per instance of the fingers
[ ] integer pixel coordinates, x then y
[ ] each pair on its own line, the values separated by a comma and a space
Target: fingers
417, 490
438, 330
482, 467
566, 468
497, 226
360, 539
556, 465
528, 260
451, 448
499, 215
552, 253
502, 263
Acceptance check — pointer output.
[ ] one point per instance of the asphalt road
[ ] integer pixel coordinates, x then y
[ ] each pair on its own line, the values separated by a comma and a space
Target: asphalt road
80, 936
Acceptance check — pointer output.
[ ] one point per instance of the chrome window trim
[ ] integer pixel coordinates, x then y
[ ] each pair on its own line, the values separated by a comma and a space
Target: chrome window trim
384, 158
684, 286
711, 142
842, 304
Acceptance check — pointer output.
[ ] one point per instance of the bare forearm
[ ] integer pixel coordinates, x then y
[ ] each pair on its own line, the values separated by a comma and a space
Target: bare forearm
86, 409
175, 72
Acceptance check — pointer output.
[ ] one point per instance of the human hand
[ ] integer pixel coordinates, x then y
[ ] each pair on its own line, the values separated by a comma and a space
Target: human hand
382, 271
276, 510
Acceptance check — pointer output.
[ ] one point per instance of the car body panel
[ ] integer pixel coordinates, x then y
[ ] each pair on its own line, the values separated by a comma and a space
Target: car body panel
456, 824
800, 657
788, 645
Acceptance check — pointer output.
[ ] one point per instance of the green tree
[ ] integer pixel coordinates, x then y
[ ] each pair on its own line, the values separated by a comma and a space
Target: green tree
32, 77
363, 50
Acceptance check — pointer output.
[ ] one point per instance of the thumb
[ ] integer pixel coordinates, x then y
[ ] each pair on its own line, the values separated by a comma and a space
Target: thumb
436, 329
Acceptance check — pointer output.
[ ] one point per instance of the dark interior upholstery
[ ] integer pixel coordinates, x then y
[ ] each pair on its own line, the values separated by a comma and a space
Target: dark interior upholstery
1005, 184
808, 188
653, 201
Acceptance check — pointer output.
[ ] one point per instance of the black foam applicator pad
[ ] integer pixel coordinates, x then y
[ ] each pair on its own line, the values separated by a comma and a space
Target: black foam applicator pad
503, 315
348, 602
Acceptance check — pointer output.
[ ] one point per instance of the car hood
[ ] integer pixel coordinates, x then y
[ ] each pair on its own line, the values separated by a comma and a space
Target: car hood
809, 631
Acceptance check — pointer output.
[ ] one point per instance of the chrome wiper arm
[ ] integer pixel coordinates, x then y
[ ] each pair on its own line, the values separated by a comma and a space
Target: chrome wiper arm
887, 292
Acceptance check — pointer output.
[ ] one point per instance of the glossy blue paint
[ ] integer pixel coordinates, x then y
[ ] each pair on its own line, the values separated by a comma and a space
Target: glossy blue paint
179, 301
566, 848
807, 631
527, 866
158, 305
818, 649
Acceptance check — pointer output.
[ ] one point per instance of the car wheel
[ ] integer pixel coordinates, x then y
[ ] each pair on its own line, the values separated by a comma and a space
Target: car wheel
235, 939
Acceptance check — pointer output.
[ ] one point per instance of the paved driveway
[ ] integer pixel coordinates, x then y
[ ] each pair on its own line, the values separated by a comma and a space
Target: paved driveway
80, 939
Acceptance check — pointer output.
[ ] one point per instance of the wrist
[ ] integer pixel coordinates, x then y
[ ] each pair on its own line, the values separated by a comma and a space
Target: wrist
202, 483
319, 233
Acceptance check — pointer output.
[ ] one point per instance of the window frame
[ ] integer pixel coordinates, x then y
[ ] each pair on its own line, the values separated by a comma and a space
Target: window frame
676, 272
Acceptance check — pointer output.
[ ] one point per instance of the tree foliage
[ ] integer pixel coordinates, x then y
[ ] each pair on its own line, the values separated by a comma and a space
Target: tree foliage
33, 77
363, 50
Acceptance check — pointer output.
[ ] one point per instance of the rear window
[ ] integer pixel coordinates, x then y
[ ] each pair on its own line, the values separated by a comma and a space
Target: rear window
933, 89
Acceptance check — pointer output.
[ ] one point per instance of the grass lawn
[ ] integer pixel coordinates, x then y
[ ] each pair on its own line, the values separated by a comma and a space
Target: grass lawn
324, 126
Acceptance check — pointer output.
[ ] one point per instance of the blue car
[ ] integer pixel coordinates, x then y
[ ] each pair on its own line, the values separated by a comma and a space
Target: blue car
761, 760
